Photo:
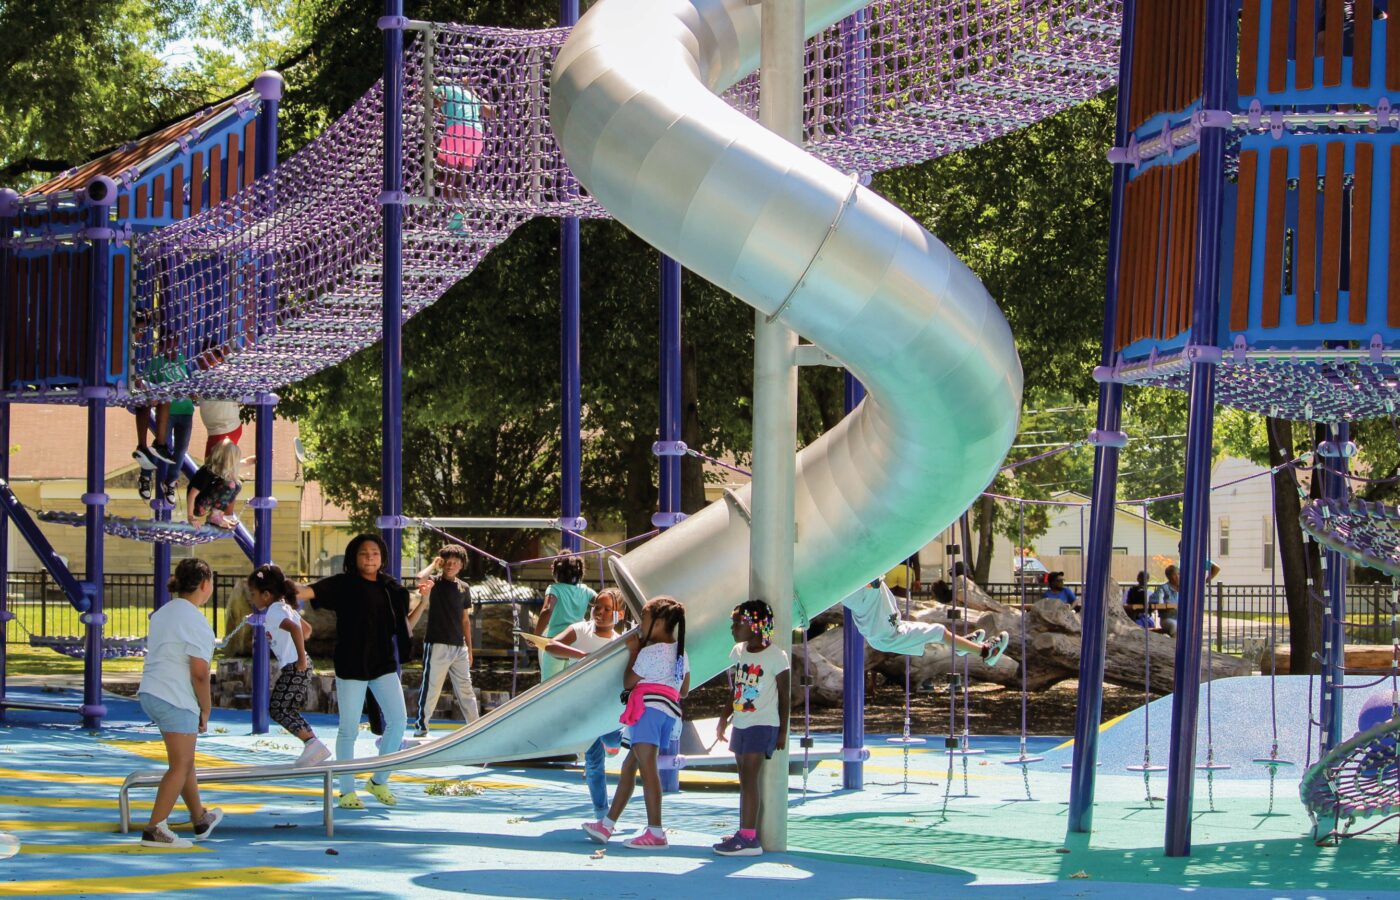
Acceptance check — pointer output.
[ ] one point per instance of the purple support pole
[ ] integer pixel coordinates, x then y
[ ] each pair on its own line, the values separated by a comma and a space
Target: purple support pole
668, 449
853, 664
269, 87
101, 192
669, 512
570, 372
391, 458
1181, 767
263, 504
1334, 487
5, 613
1094, 636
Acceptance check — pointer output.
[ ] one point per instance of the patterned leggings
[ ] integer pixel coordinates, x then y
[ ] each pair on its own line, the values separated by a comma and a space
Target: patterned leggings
288, 698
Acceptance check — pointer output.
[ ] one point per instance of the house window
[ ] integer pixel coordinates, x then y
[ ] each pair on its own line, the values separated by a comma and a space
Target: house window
1268, 542
1070, 551
1223, 533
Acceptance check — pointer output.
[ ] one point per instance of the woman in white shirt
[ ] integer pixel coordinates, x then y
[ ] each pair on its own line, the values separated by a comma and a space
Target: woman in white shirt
174, 692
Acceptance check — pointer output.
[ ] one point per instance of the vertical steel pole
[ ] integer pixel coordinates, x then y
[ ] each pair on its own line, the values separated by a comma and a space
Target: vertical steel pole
269, 87
263, 503
570, 367
5, 614
669, 449
853, 664
391, 457
1095, 565
1334, 639
773, 530
101, 193
1181, 767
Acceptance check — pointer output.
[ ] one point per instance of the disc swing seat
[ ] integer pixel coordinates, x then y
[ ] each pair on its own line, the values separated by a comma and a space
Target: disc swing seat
1023, 759
1146, 767
1273, 762
150, 531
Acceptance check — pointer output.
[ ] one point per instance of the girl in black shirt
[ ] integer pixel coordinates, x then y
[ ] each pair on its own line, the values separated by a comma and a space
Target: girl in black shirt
371, 612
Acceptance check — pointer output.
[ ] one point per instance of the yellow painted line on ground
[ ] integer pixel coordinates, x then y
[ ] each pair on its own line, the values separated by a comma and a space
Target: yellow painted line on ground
155, 750
104, 803
131, 846
116, 781
1102, 728
149, 884
51, 825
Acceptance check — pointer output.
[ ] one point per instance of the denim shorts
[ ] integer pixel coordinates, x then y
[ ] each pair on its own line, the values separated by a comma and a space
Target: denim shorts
654, 727
754, 739
169, 718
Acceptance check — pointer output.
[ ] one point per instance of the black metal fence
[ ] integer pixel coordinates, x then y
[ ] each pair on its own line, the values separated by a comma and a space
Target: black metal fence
41, 610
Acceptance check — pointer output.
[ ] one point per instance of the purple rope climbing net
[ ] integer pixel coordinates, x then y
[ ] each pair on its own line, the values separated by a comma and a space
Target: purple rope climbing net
284, 279
151, 531
1368, 533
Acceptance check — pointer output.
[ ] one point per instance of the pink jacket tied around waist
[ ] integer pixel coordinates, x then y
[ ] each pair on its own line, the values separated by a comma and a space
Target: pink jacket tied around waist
636, 700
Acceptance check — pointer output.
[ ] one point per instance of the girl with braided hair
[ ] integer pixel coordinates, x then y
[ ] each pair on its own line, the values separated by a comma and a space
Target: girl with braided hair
566, 603
657, 679
760, 682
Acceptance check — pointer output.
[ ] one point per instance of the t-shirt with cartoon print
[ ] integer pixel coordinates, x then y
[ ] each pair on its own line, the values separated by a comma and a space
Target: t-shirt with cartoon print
754, 679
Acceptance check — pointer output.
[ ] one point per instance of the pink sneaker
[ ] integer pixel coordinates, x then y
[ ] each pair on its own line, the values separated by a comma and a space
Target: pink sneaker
597, 832
647, 841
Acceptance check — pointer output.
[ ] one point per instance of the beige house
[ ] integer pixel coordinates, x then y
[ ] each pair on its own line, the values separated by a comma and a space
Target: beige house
48, 464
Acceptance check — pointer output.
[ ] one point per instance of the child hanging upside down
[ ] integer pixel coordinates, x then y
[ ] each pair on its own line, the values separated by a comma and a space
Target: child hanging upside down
215, 486
877, 615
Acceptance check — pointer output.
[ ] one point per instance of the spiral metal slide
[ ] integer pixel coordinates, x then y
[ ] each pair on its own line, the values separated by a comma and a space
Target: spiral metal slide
635, 107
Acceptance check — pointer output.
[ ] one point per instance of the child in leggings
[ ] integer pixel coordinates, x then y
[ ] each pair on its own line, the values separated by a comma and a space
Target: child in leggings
760, 683
287, 634
657, 679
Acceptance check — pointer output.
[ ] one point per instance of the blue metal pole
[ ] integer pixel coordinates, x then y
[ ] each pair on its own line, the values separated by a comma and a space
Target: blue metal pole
101, 192
391, 457
669, 449
1094, 637
570, 373
853, 664
1334, 487
5, 614
669, 505
263, 503
1181, 766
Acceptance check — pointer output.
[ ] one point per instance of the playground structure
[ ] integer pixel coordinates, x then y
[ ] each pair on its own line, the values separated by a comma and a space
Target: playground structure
291, 274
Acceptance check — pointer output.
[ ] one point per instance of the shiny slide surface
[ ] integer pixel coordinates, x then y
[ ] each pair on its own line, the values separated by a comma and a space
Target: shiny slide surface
635, 107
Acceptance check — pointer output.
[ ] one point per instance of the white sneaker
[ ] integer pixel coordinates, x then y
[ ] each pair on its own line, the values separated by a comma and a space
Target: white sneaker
162, 838
314, 753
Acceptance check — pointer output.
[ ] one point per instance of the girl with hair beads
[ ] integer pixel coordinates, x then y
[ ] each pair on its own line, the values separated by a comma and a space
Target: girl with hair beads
287, 634
566, 601
215, 486
174, 692
760, 681
657, 680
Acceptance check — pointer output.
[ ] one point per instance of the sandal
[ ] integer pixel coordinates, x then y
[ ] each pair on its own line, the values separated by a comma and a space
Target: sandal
350, 800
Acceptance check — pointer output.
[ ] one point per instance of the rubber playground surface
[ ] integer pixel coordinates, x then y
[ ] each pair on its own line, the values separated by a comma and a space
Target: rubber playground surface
992, 831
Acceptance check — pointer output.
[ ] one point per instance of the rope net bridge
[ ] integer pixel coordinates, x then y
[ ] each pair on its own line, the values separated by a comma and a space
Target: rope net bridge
284, 278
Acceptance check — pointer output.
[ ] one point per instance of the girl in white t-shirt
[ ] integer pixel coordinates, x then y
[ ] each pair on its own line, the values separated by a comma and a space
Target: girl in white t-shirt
656, 680
575, 643
174, 692
287, 634
760, 683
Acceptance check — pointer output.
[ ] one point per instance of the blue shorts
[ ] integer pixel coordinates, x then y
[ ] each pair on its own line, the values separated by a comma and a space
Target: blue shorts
754, 739
654, 727
169, 718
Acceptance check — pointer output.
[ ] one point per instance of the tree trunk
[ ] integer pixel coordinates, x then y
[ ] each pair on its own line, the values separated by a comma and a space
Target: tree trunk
986, 523
1304, 615
641, 485
692, 469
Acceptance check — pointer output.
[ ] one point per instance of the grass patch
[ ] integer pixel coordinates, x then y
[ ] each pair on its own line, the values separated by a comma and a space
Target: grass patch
22, 660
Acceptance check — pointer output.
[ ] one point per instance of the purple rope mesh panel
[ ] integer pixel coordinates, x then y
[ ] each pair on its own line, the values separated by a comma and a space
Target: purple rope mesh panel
150, 531
1368, 533
283, 279
1304, 385
1357, 779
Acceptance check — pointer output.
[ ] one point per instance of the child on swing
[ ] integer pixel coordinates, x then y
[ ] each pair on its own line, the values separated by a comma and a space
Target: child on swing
657, 680
760, 682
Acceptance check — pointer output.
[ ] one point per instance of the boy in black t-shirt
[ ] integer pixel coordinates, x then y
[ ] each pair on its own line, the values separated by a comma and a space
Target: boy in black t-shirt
447, 650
